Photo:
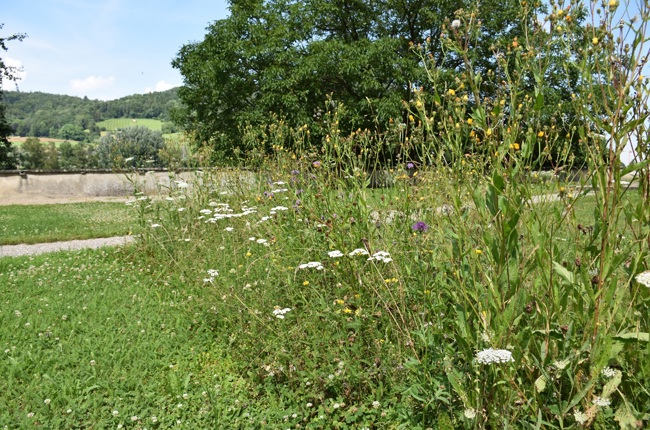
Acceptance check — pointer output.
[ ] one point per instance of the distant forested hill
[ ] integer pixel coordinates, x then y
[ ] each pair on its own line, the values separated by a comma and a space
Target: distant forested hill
51, 115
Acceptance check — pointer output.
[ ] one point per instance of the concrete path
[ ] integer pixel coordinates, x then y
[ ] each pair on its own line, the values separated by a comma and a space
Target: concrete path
40, 248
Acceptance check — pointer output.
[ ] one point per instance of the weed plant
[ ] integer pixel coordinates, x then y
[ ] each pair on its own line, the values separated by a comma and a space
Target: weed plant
455, 297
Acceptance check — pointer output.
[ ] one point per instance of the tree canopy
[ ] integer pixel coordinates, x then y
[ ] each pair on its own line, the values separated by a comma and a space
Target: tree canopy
7, 72
286, 57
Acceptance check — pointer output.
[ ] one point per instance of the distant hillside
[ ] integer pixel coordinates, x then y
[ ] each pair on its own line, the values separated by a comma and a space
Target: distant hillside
52, 115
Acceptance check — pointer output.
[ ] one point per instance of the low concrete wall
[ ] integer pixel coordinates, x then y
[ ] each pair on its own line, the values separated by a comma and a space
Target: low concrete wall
106, 184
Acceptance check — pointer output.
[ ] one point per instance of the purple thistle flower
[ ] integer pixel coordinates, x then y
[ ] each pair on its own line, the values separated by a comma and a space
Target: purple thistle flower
410, 166
420, 226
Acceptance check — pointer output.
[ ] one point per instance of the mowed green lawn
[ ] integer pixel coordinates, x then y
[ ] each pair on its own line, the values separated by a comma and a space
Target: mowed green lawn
119, 123
57, 222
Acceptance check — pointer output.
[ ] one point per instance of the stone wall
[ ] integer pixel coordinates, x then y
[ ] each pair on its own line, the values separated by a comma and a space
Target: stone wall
104, 184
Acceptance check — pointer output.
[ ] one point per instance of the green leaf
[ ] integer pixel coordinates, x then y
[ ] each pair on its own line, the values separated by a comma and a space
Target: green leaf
540, 384
611, 385
625, 417
639, 336
563, 273
635, 167
539, 102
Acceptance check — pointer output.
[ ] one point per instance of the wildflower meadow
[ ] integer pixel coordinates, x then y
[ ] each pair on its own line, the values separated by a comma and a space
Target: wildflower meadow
461, 269
436, 275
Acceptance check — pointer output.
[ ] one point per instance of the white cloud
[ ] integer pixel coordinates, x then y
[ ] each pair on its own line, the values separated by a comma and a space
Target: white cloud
91, 83
17, 72
160, 86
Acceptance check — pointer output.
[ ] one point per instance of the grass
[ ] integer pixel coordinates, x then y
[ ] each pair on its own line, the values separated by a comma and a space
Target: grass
18, 141
119, 123
101, 338
50, 223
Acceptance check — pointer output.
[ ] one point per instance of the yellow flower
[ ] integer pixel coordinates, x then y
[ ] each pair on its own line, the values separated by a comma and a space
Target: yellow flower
338, 302
305, 283
451, 92
469, 121
248, 254
347, 310
411, 118
488, 132
594, 41
478, 251
540, 134
613, 3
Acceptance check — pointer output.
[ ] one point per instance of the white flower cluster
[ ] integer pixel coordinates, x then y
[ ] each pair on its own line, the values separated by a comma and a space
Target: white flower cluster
489, 356
470, 413
599, 401
279, 313
608, 372
644, 278
278, 209
335, 254
381, 256
358, 251
224, 207
312, 265
580, 417
212, 274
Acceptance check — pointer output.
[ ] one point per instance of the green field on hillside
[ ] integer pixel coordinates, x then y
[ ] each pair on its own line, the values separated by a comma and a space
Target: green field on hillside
119, 123
17, 141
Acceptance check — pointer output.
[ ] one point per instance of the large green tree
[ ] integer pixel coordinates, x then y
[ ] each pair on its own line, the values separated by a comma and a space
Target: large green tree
7, 72
287, 57
132, 146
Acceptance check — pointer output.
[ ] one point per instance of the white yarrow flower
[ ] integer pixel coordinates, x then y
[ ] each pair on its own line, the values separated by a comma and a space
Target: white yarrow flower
608, 372
470, 413
312, 265
489, 356
644, 278
358, 251
381, 256
279, 313
335, 254
455, 23
580, 417
599, 401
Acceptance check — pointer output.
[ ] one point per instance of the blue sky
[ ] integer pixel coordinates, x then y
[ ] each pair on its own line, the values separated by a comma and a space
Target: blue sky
103, 49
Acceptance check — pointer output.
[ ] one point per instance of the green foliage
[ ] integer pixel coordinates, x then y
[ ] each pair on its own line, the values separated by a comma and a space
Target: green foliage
43, 115
7, 158
132, 146
367, 57
32, 154
115, 124
72, 132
